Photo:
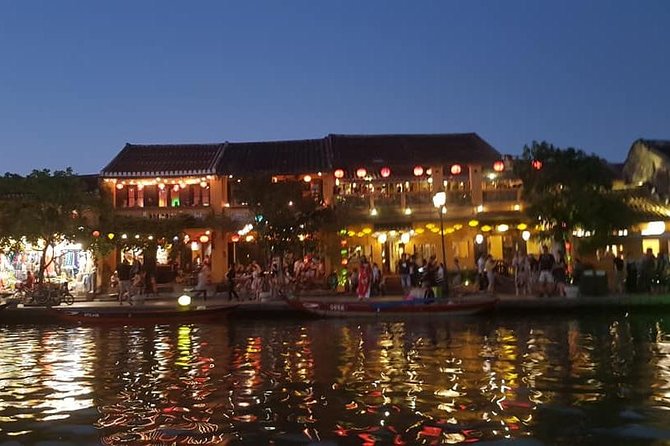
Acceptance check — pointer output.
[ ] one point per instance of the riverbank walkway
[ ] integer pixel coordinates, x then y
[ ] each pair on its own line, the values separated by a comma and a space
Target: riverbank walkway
508, 303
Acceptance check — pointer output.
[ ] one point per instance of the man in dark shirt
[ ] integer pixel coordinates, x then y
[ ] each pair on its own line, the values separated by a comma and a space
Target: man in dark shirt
403, 270
546, 264
230, 275
123, 271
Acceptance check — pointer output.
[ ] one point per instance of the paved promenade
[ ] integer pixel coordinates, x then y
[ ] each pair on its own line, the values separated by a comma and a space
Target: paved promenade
508, 304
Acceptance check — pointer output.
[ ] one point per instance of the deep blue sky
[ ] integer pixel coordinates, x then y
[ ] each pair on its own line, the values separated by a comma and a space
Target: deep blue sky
79, 79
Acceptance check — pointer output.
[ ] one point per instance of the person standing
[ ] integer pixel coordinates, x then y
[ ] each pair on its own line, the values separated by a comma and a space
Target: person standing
123, 272
364, 279
546, 265
490, 268
230, 276
403, 270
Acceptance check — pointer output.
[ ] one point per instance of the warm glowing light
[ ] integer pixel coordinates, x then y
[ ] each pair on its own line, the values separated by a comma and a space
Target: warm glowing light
184, 300
382, 238
96, 233
110, 236
537, 164
486, 228
161, 186
361, 172
408, 211
249, 238
203, 184
499, 166
456, 169
418, 171
479, 239
404, 238
480, 208
502, 228
339, 173
473, 223
307, 179
517, 207
175, 188
119, 186
235, 238
525, 235
373, 212
385, 172
419, 231
367, 230
204, 239
458, 226
654, 228
195, 246
521, 226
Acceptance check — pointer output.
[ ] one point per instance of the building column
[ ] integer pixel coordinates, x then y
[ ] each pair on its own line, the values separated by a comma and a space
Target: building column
475, 176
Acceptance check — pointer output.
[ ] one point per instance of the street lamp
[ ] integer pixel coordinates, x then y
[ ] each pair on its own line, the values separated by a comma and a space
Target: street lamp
439, 200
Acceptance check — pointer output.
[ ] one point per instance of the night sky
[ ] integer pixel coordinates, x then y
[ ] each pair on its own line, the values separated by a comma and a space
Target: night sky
79, 79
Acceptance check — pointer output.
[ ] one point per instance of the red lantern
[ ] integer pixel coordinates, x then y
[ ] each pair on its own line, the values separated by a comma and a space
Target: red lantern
456, 169
499, 166
339, 173
537, 164
235, 238
361, 172
96, 233
386, 172
418, 171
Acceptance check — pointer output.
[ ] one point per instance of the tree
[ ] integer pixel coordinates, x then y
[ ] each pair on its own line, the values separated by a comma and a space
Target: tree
568, 190
43, 209
286, 216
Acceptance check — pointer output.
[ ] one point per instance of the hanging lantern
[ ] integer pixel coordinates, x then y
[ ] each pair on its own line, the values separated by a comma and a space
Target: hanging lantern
498, 166
235, 238
119, 186
361, 172
456, 169
110, 236
307, 179
96, 233
204, 238
418, 171
385, 172
203, 184
537, 164
339, 173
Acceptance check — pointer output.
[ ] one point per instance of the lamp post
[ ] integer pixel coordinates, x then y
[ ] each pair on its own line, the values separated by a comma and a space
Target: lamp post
439, 200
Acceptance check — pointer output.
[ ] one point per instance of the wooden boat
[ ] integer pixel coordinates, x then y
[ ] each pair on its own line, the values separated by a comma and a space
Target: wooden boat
331, 308
142, 314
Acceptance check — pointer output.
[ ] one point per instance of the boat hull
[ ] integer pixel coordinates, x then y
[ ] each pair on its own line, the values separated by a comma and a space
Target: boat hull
390, 308
141, 314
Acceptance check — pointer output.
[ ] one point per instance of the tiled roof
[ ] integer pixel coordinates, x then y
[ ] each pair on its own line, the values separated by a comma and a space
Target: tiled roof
351, 151
645, 204
164, 160
275, 157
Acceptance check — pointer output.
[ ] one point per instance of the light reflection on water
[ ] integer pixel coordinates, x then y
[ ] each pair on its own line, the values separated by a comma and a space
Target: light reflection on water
588, 380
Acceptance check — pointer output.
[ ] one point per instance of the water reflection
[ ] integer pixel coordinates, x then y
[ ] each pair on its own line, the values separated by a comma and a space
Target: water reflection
579, 380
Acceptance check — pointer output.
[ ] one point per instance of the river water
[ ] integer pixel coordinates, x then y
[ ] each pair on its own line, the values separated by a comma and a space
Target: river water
585, 379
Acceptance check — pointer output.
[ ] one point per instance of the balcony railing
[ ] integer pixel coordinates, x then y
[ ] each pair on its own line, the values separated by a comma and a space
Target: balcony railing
497, 195
162, 213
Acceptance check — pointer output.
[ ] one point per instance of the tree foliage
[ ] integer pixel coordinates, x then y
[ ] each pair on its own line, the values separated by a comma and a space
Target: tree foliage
287, 217
44, 208
565, 190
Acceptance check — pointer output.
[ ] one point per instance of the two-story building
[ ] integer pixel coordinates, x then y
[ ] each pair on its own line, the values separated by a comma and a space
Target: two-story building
384, 186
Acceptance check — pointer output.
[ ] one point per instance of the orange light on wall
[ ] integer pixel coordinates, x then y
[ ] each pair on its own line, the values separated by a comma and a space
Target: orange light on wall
204, 238
537, 164
499, 166
456, 169
339, 173
361, 172
418, 171
235, 238
385, 172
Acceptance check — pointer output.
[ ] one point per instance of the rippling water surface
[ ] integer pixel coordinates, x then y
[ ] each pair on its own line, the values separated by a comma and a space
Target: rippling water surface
592, 379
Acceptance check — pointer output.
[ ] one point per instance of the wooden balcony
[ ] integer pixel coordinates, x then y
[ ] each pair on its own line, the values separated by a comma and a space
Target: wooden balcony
162, 213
